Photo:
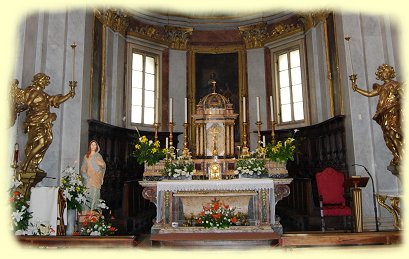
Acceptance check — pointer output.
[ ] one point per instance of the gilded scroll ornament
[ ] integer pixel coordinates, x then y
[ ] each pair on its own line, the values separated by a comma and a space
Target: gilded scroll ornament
38, 122
313, 19
388, 111
115, 19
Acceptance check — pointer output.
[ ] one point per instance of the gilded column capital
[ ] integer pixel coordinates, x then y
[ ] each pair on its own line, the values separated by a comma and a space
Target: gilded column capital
178, 37
115, 19
254, 35
313, 19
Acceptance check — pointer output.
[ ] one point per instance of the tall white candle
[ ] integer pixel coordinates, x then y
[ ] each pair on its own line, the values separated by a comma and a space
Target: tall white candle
258, 108
271, 108
244, 109
264, 141
185, 110
167, 143
157, 110
170, 110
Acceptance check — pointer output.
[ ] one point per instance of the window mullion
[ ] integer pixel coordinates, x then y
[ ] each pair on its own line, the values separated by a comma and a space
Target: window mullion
143, 90
290, 85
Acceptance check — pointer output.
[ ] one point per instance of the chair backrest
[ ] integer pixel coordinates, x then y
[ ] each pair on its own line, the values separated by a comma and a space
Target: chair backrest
330, 185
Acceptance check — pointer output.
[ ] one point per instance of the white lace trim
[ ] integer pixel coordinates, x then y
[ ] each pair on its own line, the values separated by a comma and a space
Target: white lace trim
209, 185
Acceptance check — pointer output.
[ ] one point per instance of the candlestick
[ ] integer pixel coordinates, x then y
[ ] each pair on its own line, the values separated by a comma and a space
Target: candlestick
271, 108
185, 110
186, 151
347, 38
170, 110
156, 125
244, 109
73, 45
171, 147
258, 108
245, 152
258, 123
272, 132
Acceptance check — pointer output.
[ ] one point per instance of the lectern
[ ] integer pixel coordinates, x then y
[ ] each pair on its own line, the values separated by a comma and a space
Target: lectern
356, 183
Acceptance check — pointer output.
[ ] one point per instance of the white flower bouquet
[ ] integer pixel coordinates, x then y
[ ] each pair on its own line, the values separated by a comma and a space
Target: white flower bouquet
179, 169
251, 167
74, 189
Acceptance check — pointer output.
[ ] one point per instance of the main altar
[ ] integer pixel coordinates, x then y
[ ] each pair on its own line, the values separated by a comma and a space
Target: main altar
183, 200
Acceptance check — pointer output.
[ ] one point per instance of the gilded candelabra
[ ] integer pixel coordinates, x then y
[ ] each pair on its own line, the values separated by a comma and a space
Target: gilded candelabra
245, 150
272, 131
156, 126
171, 147
186, 151
259, 148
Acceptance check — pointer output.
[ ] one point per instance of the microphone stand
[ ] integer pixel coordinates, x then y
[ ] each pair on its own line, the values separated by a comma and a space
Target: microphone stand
373, 195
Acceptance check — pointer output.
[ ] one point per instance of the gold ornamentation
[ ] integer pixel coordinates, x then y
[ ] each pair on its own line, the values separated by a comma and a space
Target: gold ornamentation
312, 19
254, 35
388, 111
393, 209
37, 124
178, 37
115, 19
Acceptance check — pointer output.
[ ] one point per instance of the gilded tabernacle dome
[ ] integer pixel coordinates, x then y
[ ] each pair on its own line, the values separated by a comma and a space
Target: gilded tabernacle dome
214, 100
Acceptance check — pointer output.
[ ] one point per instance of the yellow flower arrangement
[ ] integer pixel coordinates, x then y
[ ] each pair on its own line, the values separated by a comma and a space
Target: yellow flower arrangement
148, 151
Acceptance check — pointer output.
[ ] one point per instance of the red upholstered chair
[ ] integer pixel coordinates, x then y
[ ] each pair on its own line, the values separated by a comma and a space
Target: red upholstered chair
330, 185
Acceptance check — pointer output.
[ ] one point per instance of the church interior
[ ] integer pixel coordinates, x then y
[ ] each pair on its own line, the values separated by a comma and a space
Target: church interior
162, 114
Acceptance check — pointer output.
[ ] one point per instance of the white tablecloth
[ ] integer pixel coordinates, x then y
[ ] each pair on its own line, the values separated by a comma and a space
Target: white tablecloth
207, 185
44, 206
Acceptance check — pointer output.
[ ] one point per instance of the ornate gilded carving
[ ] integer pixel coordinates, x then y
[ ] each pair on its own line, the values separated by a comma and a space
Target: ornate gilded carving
388, 111
38, 123
115, 19
149, 32
178, 37
282, 29
393, 209
312, 19
254, 35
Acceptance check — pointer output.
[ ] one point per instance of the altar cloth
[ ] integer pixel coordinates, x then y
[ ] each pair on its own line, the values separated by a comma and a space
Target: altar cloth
215, 185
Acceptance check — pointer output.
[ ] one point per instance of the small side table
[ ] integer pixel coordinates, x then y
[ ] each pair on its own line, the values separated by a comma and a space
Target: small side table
356, 183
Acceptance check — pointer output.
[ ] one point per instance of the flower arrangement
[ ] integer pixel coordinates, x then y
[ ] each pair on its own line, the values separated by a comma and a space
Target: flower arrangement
179, 168
96, 225
74, 189
281, 151
251, 166
20, 215
148, 151
217, 215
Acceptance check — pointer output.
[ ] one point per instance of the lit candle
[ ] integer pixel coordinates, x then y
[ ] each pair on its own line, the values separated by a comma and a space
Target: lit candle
258, 108
185, 110
157, 110
167, 142
244, 109
271, 108
170, 110
264, 141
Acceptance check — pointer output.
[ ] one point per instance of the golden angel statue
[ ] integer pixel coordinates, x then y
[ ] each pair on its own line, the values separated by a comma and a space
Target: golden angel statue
388, 110
39, 120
